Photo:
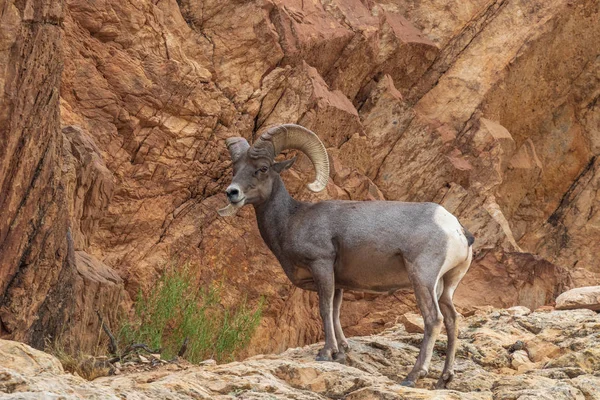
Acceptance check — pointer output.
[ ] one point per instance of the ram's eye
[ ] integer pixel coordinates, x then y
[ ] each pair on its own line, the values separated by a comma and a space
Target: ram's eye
264, 169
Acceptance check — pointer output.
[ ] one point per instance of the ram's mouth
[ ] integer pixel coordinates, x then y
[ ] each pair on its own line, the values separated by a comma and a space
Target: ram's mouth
232, 208
240, 201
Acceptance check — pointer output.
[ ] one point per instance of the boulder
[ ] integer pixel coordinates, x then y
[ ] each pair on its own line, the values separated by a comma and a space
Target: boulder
583, 297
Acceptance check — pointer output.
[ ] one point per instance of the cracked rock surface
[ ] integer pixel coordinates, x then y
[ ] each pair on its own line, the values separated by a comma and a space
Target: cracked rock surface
503, 354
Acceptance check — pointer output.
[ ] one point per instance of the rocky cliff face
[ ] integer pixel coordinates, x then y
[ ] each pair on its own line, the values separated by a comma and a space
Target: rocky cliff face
503, 354
113, 116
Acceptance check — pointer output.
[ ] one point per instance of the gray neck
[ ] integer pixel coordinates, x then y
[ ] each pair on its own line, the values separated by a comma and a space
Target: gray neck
273, 215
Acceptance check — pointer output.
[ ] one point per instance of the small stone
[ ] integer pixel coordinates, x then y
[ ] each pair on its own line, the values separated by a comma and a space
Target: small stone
519, 311
222, 387
117, 365
520, 359
540, 350
144, 359
208, 362
495, 315
413, 323
518, 345
173, 367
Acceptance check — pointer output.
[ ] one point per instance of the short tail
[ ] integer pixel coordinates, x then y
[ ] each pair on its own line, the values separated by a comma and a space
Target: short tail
468, 235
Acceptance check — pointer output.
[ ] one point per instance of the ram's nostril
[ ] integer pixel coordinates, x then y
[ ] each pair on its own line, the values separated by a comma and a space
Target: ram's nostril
232, 192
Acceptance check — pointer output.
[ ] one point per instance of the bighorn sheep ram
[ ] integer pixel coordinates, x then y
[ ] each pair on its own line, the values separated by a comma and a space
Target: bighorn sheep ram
373, 246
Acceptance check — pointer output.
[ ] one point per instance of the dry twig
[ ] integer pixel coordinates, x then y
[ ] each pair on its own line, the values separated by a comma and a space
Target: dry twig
183, 348
112, 345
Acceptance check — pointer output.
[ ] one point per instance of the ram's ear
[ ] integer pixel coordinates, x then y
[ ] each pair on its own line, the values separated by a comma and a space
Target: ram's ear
287, 164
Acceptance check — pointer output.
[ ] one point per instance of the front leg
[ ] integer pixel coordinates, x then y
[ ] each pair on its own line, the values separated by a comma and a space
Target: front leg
322, 272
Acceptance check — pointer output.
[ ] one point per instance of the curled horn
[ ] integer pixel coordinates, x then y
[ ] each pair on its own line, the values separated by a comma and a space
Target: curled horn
291, 136
237, 146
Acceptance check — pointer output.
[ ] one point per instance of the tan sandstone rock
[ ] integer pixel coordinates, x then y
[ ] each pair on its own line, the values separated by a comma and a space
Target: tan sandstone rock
375, 365
413, 323
583, 297
113, 117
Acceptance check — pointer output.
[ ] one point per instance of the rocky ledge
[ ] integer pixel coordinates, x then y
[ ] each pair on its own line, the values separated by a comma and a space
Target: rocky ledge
503, 354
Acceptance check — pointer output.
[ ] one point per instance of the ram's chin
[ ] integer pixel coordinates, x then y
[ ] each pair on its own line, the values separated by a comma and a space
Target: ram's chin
231, 209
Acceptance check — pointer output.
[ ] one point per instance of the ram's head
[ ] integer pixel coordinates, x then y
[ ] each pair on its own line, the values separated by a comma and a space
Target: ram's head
254, 167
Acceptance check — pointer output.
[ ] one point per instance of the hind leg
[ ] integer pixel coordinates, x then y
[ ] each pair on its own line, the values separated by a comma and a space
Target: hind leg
340, 356
427, 300
451, 280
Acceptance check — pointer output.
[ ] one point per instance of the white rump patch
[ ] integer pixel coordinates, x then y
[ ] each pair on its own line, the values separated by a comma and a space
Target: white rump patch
457, 249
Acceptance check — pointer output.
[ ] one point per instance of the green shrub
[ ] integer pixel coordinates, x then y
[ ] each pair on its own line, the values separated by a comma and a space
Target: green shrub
176, 309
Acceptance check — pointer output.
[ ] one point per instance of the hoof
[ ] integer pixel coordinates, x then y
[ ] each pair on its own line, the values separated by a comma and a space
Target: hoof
340, 357
323, 358
344, 347
414, 376
445, 379
324, 355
